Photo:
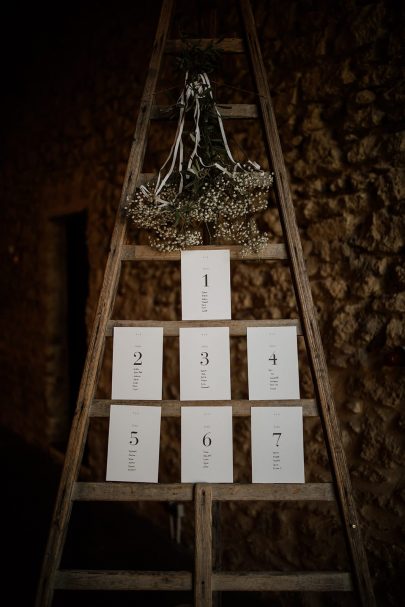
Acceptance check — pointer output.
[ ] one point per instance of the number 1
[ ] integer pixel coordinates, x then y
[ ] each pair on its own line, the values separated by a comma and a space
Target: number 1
205, 280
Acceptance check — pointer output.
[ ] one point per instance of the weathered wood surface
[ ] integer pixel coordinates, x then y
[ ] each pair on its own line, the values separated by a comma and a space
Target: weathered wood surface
94, 357
172, 408
202, 545
146, 253
228, 45
308, 315
271, 581
123, 580
171, 327
229, 111
239, 581
183, 492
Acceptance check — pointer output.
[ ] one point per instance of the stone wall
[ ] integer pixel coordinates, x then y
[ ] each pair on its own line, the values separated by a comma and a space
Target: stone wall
335, 71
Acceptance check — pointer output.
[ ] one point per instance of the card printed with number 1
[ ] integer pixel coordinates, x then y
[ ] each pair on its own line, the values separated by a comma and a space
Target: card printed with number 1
205, 285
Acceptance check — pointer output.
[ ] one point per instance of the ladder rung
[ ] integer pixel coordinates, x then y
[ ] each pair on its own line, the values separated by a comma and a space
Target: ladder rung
146, 253
228, 45
325, 581
123, 580
171, 327
228, 111
278, 581
184, 492
145, 177
172, 408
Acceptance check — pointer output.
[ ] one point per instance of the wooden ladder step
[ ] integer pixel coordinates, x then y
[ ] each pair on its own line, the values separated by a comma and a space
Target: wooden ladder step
229, 111
228, 45
184, 492
271, 581
123, 580
146, 253
172, 408
325, 581
145, 177
171, 327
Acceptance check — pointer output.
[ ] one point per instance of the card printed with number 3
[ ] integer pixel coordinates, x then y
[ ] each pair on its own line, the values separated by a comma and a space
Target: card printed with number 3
205, 364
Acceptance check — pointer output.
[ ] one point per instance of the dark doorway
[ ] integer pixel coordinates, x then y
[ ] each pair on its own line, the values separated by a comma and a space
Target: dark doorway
77, 289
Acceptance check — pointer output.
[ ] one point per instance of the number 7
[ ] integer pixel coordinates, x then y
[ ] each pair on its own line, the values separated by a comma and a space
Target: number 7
278, 439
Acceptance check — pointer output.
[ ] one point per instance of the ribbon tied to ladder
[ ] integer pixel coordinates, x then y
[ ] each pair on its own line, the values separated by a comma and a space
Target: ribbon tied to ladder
194, 90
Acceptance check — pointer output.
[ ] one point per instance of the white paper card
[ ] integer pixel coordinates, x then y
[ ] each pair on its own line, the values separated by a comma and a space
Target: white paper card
205, 364
273, 363
206, 445
205, 285
277, 445
137, 363
133, 444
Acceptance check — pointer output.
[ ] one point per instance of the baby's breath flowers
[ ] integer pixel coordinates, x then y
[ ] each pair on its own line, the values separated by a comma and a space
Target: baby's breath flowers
203, 185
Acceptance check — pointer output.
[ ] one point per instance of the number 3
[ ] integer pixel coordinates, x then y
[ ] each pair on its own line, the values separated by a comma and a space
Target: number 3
205, 359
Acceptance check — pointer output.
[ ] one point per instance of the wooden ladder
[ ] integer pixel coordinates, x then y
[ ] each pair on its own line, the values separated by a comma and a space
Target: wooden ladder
204, 580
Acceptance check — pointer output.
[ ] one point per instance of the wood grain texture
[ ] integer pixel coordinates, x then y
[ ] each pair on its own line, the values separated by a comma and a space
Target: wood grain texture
239, 581
203, 545
308, 316
271, 581
183, 492
94, 357
172, 408
231, 111
171, 327
146, 253
123, 580
228, 45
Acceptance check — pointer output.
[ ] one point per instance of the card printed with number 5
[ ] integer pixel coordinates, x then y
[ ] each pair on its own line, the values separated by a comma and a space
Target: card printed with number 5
137, 363
205, 285
205, 364
206, 445
133, 443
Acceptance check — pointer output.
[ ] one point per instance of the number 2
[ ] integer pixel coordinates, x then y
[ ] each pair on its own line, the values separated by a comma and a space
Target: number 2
137, 361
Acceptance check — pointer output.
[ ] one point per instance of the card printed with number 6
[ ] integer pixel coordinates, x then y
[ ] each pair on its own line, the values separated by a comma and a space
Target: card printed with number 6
206, 445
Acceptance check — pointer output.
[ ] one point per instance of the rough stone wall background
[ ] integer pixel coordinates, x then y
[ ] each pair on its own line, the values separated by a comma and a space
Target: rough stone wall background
337, 78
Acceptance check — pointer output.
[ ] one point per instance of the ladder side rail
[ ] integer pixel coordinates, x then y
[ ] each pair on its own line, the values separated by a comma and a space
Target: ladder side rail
308, 315
78, 434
